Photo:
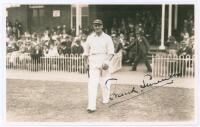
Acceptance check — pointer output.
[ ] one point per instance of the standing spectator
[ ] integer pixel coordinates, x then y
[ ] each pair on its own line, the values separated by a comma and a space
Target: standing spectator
59, 30
142, 48
125, 50
9, 29
131, 49
172, 48
36, 53
15, 32
64, 29
157, 34
123, 26
73, 32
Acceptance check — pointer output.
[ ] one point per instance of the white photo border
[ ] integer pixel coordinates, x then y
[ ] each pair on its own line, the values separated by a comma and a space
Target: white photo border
3, 54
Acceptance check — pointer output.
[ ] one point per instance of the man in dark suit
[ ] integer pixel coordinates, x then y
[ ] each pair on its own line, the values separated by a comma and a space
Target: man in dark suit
142, 48
36, 54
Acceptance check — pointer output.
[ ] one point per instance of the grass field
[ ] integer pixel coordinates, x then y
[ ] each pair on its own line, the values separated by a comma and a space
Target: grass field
51, 101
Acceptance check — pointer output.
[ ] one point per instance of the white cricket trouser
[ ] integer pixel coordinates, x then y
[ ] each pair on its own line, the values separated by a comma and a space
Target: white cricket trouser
98, 76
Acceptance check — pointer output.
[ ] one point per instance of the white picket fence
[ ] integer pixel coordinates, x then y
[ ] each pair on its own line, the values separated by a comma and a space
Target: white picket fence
166, 65
67, 63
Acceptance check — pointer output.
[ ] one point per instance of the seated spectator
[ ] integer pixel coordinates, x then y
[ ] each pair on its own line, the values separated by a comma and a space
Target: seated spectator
171, 45
64, 29
190, 26
64, 34
122, 39
131, 27
76, 47
9, 30
22, 52
38, 38
27, 34
184, 36
52, 50
64, 49
68, 40
113, 31
12, 47
45, 37
117, 44
45, 50
83, 40
19, 43
28, 46
73, 32
184, 50
54, 36
191, 39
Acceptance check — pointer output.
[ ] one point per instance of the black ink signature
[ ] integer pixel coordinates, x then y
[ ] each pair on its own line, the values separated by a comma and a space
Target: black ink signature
115, 95
110, 79
147, 84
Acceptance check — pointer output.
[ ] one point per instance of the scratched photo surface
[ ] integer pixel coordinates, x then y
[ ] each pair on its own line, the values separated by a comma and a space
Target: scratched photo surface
152, 70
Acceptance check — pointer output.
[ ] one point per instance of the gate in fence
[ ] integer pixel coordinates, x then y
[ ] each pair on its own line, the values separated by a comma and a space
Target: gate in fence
166, 65
67, 63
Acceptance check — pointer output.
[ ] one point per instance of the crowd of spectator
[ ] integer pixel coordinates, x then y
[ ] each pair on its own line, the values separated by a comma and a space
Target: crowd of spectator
149, 25
185, 45
15, 29
59, 41
55, 42
123, 32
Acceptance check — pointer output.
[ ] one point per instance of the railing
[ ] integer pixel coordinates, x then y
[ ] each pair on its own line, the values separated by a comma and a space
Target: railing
67, 63
166, 65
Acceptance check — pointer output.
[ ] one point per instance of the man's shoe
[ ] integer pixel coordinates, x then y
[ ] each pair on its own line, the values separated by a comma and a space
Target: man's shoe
90, 111
133, 68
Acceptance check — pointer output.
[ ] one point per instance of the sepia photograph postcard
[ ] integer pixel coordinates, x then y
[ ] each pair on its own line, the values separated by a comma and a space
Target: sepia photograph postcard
87, 63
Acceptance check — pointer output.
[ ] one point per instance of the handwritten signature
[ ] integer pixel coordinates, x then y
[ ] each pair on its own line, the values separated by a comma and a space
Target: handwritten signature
147, 82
